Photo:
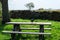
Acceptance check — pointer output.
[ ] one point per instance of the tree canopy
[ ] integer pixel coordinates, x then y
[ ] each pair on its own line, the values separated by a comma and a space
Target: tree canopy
30, 5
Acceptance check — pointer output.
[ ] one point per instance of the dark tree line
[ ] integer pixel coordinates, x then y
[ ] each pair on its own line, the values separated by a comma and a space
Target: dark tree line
25, 14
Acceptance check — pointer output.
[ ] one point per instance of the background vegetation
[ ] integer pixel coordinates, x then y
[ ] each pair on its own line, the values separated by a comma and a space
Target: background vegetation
26, 14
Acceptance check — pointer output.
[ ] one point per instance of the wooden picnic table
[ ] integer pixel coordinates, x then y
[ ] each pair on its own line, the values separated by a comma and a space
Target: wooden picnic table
17, 28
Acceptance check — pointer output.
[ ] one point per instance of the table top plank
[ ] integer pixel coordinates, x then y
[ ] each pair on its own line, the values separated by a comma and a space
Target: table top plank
34, 28
41, 23
25, 32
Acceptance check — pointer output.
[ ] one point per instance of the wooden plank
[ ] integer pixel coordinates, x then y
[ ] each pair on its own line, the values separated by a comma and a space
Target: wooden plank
36, 23
34, 28
26, 32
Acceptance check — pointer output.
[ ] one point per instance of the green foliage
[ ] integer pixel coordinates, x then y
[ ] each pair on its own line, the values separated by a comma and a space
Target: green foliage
0, 13
30, 5
0, 6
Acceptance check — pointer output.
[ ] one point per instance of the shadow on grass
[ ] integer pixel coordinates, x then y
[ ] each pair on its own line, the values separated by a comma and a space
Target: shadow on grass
2, 27
29, 37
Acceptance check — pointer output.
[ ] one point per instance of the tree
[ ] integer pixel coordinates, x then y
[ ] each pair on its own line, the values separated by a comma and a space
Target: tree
5, 13
30, 5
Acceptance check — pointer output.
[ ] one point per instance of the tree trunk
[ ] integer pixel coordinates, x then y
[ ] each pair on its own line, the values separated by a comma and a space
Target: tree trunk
5, 14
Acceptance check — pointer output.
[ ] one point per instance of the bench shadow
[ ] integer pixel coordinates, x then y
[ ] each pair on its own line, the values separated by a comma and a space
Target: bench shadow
2, 27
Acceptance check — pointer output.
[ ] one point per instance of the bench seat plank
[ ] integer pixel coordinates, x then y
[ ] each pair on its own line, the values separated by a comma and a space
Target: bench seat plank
34, 28
37, 23
25, 32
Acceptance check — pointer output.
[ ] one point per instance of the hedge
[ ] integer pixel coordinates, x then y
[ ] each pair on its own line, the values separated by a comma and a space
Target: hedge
26, 14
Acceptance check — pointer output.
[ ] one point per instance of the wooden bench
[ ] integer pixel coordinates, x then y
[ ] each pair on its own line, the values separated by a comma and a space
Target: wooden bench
17, 29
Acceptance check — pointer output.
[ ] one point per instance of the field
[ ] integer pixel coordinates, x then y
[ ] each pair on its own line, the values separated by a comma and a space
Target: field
54, 36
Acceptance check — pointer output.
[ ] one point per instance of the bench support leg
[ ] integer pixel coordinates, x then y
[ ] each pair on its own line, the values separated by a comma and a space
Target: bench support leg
41, 37
16, 28
19, 35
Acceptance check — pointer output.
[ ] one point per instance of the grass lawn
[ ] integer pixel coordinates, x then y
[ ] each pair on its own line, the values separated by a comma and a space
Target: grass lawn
54, 36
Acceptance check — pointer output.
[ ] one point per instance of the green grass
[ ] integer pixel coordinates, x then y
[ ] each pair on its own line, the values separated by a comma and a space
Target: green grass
54, 36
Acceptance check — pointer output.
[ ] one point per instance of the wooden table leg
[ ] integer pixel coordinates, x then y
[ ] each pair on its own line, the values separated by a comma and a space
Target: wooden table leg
41, 37
13, 36
19, 35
